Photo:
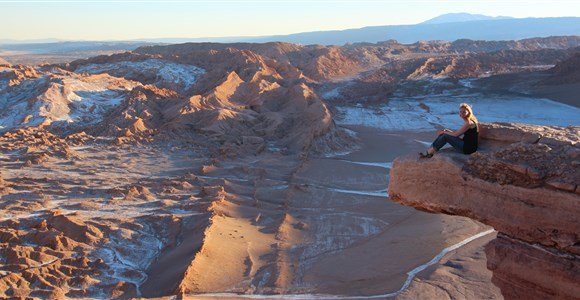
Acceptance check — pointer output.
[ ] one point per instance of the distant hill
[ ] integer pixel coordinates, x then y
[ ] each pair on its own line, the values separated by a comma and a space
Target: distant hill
461, 17
496, 29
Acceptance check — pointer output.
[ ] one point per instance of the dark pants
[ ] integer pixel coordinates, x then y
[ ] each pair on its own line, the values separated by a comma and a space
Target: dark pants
445, 138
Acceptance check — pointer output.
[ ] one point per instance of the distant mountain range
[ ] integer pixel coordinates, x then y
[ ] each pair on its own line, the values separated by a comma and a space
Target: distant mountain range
447, 27
70, 46
462, 17
62, 51
442, 29
13, 41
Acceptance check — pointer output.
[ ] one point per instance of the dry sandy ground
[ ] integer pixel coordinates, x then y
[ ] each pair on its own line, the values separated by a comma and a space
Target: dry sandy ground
461, 274
155, 221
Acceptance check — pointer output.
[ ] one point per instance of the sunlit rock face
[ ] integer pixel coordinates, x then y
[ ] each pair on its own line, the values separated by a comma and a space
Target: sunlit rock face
62, 99
524, 182
161, 73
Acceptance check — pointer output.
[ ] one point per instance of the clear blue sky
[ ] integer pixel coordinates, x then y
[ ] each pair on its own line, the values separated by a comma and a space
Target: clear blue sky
134, 19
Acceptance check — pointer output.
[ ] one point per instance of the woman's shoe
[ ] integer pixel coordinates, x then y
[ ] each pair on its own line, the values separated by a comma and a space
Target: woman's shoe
423, 155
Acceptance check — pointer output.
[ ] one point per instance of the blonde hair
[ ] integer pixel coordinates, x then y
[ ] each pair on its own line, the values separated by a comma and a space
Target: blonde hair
471, 116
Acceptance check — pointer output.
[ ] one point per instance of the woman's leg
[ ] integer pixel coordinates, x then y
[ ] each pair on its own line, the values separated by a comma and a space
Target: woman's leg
445, 138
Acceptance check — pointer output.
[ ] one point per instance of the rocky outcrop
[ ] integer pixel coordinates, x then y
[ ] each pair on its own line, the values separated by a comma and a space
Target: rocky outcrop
524, 183
566, 71
554, 42
3, 62
530, 271
239, 98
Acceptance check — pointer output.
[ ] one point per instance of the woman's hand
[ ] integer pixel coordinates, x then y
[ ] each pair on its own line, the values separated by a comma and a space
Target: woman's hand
440, 132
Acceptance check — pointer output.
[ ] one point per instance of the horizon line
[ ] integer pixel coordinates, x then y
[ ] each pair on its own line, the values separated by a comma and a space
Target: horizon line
146, 39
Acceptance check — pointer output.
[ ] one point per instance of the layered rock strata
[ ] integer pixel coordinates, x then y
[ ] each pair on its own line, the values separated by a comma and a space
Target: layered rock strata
524, 183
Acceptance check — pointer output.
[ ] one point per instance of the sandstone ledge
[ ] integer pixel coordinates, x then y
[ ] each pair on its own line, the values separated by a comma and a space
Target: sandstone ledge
519, 268
441, 185
489, 187
524, 183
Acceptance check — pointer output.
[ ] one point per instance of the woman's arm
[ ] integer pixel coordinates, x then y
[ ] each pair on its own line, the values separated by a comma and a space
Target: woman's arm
461, 130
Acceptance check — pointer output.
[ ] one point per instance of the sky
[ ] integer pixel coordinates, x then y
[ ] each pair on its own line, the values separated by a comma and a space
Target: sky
142, 19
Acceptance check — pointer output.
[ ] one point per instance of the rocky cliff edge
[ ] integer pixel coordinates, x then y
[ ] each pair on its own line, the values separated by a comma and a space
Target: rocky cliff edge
524, 181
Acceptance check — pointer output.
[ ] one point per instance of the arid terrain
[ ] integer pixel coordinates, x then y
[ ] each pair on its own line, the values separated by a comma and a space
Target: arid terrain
221, 170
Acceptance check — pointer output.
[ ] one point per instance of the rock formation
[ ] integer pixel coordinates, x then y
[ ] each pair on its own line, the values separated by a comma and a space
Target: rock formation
3, 62
567, 71
524, 183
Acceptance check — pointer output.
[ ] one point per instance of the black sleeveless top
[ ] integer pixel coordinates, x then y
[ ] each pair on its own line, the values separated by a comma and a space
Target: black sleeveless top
470, 140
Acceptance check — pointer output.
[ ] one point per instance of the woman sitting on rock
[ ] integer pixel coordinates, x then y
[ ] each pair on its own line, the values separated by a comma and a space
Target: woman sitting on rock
469, 130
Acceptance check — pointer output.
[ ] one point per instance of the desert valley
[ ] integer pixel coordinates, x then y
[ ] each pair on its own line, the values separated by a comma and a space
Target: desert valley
223, 170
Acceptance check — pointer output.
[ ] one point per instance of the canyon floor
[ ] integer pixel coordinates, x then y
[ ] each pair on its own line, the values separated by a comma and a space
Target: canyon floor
132, 219
152, 220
